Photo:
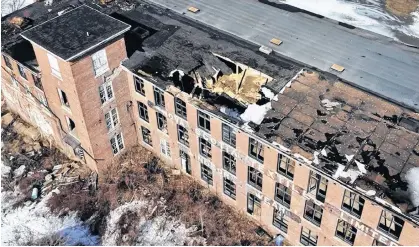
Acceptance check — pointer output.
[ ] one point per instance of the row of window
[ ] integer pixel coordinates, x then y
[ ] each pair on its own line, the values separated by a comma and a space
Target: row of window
22, 73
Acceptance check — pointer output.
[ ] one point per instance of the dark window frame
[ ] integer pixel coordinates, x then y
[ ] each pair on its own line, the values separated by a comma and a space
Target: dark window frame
282, 159
307, 240
37, 82
143, 111
207, 144
254, 200
348, 234
282, 192
206, 121
354, 199
180, 108
161, 122
188, 165
22, 72
279, 222
206, 174
259, 148
228, 135
315, 182
159, 97
183, 135
146, 135
7, 62
229, 162
254, 178
311, 211
229, 188
139, 85
395, 234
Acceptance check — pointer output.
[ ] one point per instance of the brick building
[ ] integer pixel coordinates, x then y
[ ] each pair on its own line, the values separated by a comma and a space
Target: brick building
300, 152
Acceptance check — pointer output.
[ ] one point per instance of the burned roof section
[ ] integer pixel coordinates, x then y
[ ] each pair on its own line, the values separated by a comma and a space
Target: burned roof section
75, 32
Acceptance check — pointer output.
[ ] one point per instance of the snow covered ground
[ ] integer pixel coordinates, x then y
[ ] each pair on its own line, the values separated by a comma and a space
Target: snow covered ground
367, 14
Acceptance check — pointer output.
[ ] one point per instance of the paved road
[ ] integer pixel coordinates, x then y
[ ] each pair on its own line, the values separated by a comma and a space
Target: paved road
371, 61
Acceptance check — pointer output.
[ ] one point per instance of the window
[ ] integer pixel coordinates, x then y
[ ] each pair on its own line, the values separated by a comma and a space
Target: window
117, 143
42, 99
206, 173
165, 148
308, 238
254, 178
286, 166
37, 81
71, 125
205, 147
378, 243
204, 121
283, 194
105, 92
180, 108
317, 186
390, 224
313, 213
255, 150
253, 204
63, 98
279, 221
353, 203
230, 188
346, 232
159, 97
139, 85
7, 62
229, 163
22, 71
183, 135
14, 81
53, 63
147, 136
161, 122
111, 119
143, 111
229, 136
186, 162
100, 62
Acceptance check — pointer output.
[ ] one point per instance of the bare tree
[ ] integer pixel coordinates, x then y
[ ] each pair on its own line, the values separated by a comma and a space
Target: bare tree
9, 6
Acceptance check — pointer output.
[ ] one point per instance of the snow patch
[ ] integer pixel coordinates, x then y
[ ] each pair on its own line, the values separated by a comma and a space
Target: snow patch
324, 152
316, 158
181, 73
281, 147
349, 157
370, 193
230, 112
268, 93
361, 167
412, 178
350, 173
255, 113
329, 104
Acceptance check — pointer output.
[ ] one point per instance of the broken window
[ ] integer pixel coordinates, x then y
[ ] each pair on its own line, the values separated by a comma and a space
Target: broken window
117, 143
205, 147
186, 162
390, 224
146, 136
183, 135
308, 238
283, 195
204, 121
37, 81
256, 150
254, 178
139, 85
313, 213
253, 204
378, 243
71, 125
353, 203
143, 111
279, 221
206, 173
161, 122
159, 97
229, 163
111, 118
230, 188
63, 98
7, 62
318, 186
100, 62
53, 63
229, 135
165, 148
286, 166
180, 108
42, 99
105, 92
22, 71
345, 231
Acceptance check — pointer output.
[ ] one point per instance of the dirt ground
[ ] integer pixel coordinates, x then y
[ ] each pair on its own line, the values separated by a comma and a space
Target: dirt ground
402, 7
136, 175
